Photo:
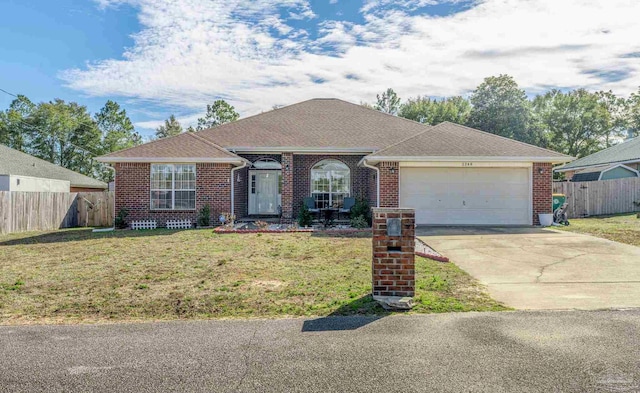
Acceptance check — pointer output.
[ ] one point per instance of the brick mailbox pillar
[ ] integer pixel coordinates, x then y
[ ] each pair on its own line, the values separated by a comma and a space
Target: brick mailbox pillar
393, 264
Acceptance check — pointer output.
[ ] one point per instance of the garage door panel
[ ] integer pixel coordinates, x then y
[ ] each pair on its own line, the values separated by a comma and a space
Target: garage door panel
467, 196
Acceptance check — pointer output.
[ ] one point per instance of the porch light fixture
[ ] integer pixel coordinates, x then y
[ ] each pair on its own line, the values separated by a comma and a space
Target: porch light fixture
392, 170
238, 178
541, 170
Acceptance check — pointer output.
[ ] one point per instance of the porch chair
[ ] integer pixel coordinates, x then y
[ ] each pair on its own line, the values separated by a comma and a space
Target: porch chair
347, 204
310, 203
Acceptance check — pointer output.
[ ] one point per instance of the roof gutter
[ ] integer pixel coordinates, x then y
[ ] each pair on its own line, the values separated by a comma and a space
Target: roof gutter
302, 150
375, 168
170, 159
577, 168
376, 159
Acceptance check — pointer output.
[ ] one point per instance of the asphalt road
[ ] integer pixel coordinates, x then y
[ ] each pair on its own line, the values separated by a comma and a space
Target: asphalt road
579, 351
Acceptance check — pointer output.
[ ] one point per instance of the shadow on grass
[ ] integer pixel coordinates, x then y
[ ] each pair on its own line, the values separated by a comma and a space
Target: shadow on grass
351, 316
72, 235
364, 233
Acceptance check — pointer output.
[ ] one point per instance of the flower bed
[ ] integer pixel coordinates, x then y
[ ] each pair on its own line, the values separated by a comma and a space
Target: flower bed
423, 250
292, 229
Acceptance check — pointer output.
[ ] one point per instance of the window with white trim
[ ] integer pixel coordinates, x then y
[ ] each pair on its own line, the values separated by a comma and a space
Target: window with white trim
330, 183
173, 186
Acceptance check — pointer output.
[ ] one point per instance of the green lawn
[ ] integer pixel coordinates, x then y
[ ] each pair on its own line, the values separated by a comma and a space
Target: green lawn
623, 228
74, 276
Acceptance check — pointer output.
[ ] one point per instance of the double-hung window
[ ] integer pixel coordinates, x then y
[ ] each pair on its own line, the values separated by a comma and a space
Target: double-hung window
173, 186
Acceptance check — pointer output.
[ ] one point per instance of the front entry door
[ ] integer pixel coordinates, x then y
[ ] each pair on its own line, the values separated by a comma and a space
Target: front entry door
263, 192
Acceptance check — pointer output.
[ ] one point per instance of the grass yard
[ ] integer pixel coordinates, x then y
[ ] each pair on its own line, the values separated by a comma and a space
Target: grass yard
72, 276
623, 228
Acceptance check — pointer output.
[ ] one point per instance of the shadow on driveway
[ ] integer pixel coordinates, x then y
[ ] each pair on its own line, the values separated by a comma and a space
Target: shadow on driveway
343, 318
425, 230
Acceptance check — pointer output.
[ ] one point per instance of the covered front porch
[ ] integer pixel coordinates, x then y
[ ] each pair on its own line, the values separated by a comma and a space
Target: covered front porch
274, 187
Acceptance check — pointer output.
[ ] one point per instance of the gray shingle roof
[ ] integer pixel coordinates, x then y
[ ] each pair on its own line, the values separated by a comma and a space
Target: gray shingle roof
185, 145
453, 140
14, 162
318, 123
623, 152
333, 124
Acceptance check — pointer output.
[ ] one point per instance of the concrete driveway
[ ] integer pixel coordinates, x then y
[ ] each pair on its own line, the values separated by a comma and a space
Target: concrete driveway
536, 269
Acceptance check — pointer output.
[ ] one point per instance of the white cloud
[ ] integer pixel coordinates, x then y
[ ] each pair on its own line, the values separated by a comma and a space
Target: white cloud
193, 51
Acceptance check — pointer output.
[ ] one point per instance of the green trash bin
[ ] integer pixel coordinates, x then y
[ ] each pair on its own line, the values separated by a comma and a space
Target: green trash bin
558, 200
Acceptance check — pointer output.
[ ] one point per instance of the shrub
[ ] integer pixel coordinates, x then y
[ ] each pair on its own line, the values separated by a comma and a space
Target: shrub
204, 217
359, 222
361, 208
120, 222
305, 218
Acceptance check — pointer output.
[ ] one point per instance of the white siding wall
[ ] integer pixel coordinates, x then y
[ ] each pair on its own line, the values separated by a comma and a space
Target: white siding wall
34, 184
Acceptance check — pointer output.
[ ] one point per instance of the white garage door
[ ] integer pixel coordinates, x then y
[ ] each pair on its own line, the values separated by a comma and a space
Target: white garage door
467, 196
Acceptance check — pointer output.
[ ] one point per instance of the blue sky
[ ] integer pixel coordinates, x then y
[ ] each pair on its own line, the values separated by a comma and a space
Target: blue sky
162, 57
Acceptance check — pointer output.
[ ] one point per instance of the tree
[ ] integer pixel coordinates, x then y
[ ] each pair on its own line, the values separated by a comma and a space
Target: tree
14, 131
632, 114
618, 116
388, 102
171, 127
66, 135
576, 123
499, 106
220, 112
117, 132
431, 111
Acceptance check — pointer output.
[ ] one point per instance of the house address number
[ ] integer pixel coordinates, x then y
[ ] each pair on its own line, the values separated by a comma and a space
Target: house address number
467, 164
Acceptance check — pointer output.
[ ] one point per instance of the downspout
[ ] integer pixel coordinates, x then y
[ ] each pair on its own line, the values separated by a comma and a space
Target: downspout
364, 163
114, 202
233, 188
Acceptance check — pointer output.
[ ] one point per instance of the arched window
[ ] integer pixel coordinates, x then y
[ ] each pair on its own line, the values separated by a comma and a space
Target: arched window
266, 163
330, 183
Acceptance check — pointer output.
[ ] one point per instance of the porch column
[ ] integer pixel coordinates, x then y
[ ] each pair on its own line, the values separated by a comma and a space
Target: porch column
287, 188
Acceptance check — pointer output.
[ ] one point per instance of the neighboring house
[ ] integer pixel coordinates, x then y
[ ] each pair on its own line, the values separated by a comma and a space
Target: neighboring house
21, 172
619, 161
328, 149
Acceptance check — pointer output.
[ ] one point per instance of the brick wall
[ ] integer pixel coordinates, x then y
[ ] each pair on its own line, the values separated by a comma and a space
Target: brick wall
373, 188
542, 190
302, 164
288, 169
132, 192
393, 271
389, 184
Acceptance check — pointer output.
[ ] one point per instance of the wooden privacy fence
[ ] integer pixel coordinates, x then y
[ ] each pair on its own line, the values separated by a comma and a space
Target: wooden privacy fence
595, 198
44, 211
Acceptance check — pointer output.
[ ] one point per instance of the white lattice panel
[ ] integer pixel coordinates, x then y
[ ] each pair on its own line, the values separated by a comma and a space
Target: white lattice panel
179, 224
144, 224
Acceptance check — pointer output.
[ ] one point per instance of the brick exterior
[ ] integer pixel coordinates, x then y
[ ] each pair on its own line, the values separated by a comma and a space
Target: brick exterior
542, 190
389, 184
302, 164
363, 181
133, 193
393, 271
288, 168
213, 187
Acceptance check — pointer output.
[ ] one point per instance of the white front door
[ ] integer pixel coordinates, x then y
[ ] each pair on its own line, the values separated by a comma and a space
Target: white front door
264, 196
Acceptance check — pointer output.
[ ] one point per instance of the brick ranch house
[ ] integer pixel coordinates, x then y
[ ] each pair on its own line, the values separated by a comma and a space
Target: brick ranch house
328, 149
